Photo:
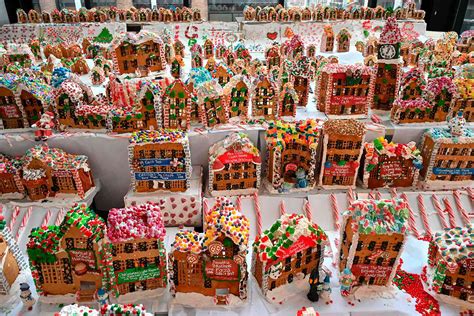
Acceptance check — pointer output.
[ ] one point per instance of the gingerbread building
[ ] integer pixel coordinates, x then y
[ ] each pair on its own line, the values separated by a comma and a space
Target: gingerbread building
211, 104
273, 56
372, 238
222, 73
11, 185
12, 114
237, 92
465, 43
447, 156
288, 101
342, 151
160, 160
12, 261
388, 66
292, 155
440, 92
212, 263
343, 41
234, 166
291, 246
301, 74
386, 164
450, 269
70, 261
464, 82
264, 98
327, 40
137, 237
345, 90
47, 172
142, 51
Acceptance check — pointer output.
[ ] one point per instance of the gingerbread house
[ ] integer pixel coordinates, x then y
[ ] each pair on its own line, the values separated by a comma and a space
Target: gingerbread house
327, 40
222, 73
12, 261
447, 156
48, 172
465, 43
464, 82
19, 54
176, 66
388, 66
211, 104
288, 100
264, 98
208, 48
440, 92
11, 186
342, 151
12, 114
370, 49
300, 75
177, 102
179, 48
345, 90
343, 40
94, 115
273, 56
234, 166
372, 238
132, 52
386, 164
290, 247
450, 269
160, 160
292, 150
70, 261
212, 263
237, 92
138, 253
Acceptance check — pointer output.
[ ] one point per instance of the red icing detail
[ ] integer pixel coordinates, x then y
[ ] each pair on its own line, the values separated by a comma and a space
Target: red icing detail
217, 165
233, 156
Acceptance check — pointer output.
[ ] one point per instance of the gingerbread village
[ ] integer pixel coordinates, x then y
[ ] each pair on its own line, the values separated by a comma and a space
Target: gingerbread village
366, 136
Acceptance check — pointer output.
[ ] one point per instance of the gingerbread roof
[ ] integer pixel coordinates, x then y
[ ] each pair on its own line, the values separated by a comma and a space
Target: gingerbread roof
174, 84
9, 164
222, 152
344, 127
334, 68
188, 241
468, 33
225, 219
380, 146
44, 241
443, 135
55, 158
328, 31
9, 81
378, 216
199, 76
344, 34
208, 89
455, 244
302, 67
288, 88
391, 32
416, 75
136, 39
436, 85
74, 88
234, 80
142, 221
280, 133
19, 49
100, 106
37, 88
158, 136
418, 103
275, 243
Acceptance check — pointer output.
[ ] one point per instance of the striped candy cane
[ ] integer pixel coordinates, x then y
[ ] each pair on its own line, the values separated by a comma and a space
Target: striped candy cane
60, 217
393, 193
238, 203
335, 212
350, 196
439, 210
424, 217
46, 218
258, 215
282, 208
307, 211
15, 214
371, 195
24, 222
378, 195
411, 219
460, 207
470, 192
449, 210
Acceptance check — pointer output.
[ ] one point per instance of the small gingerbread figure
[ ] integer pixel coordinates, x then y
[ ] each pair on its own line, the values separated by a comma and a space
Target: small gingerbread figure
44, 126
26, 297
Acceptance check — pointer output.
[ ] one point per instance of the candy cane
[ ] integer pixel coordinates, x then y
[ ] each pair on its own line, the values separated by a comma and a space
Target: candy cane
282, 208
371, 195
411, 219
59, 218
470, 192
46, 218
335, 212
15, 214
460, 207
257, 213
439, 210
375, 118
424, 217
238, 203
307, 211
350, 196
449, 210
24, 222
378, 195
393, 193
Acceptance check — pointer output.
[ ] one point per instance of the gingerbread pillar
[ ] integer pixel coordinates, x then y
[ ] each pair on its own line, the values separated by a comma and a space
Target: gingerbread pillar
202, 6
124, 4
47, 5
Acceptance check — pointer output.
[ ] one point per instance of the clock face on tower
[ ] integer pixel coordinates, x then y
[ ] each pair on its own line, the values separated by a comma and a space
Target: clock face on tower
387, 51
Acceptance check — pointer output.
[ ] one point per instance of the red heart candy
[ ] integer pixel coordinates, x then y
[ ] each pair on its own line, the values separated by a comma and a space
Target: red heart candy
173, 206
272, 36
183, 200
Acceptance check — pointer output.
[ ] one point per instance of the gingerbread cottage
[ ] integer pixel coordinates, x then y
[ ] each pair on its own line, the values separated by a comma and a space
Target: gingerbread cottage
234, 166
70, 261
327, 40
291, 246
237, 92
137, 236
212, 263
343, 40
288, 101
292, 155
373, 234
177, 102
450, 269
12, 114
264, 98
342, 151
48, 172
160, 160
345, 91
142, 51
11, 185
211, 104
386, 164
300, 75
448, 156
273, 56
440, 92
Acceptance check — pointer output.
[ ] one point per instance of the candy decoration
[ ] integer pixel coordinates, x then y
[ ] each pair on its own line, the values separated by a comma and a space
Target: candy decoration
371, 195
24, 222
15, 214
46, 218
238, 203
192, 258
411, 219
307, 211
470, 192
393, 193
282, 208
60, 217
449, 210
424, 217
460, 207
215, 248
350, 196
335, 212
257, 213
439, 210
378, 195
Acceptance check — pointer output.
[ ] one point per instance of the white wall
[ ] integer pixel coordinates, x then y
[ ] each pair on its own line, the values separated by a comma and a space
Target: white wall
3, 13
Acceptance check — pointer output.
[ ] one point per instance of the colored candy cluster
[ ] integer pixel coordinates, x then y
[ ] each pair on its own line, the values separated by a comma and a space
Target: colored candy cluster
455, 244
188, 241
55, 158
437, 85
9, 164
157, 136
380, 146
76, 310
391, 32
143, 221
125, 309
379, 217
444, 133
280, 133
417, 104
273, 242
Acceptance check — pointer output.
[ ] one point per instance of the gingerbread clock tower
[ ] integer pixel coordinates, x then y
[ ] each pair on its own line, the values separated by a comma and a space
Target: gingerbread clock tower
388, 65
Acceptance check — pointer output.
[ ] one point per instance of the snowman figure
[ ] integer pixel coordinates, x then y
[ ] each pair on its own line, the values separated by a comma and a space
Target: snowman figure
346, 280
102, 297
26, 297
326, 290
456, 125
44, 126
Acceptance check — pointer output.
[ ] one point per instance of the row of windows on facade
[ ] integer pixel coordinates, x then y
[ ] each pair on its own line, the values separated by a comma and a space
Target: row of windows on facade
337, 158
235, 186
166, 185
235, 175
121, 265
132, 49
160, 153
346, 91
134, 63
238, 166
455, 151
453, 164
133, 247
340, 144
7, 100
